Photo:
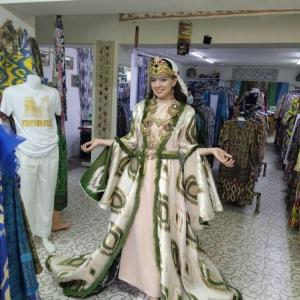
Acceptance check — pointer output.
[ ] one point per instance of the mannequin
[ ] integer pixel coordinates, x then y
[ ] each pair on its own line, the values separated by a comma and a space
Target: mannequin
33, 107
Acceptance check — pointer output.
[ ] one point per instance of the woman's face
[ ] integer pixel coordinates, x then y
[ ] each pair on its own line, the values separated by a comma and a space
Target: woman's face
162, 86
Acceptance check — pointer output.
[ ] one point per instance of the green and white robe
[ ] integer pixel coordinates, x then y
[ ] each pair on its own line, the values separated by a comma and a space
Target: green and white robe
178, 213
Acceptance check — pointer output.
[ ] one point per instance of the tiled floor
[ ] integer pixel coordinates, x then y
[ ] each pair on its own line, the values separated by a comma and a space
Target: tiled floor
257, 253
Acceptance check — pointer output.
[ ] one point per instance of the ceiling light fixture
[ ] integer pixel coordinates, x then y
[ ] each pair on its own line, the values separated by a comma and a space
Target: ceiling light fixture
298, 61
202, 57
209, 60
197, 54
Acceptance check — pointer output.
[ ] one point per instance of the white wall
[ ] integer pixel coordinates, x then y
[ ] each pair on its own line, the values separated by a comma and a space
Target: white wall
73, 103
248, 29
17, 22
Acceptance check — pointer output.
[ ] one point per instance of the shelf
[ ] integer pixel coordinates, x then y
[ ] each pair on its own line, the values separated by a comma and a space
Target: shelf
199, 79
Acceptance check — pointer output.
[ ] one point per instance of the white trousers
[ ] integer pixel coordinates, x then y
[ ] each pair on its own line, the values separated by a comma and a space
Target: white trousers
38, 177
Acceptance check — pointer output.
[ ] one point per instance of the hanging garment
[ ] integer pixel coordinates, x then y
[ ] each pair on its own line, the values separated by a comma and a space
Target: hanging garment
242, 140
218, 102
148, 159
19, 279
294, 220
59, 82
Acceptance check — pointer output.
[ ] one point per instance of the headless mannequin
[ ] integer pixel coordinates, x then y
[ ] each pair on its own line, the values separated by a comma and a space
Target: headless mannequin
34, 82
33, 107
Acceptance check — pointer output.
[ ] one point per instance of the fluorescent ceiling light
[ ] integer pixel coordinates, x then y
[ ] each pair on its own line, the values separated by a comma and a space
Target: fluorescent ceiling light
209, 60
202, 57
197, 54
298, 61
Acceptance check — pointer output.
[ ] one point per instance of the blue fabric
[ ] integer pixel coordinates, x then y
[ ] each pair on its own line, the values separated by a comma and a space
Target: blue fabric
16, 249
282, 89
8, 142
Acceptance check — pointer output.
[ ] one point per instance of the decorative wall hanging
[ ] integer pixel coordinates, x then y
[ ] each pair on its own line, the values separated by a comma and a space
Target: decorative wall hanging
204, 14
104, 87
184, 37
69, 62
255, 74
191, 72
75, 82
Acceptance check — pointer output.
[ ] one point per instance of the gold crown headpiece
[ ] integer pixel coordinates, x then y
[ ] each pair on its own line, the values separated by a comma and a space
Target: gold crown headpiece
159, 66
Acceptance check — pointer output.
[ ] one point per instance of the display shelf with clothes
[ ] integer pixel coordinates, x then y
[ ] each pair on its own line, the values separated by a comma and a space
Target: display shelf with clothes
287, 140
292, 176
283, 106
244, 137
293, 197
19, 262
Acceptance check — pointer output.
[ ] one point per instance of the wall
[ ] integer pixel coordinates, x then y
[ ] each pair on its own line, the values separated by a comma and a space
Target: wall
24, 23
73, 104
86, 29
286, 74
253, 29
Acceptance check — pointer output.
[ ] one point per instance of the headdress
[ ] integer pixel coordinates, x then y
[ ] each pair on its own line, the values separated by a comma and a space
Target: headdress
160, 66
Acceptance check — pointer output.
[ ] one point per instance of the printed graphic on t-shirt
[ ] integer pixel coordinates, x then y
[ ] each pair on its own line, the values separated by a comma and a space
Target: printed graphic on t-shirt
36, 115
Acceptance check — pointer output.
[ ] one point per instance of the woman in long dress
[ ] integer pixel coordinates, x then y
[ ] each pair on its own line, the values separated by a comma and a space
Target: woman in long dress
160, 191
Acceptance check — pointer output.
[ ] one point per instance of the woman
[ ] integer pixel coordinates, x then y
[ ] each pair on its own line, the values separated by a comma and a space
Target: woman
160, 189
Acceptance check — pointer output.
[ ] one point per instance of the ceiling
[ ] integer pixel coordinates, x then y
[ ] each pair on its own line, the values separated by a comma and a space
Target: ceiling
81, 7
233, 56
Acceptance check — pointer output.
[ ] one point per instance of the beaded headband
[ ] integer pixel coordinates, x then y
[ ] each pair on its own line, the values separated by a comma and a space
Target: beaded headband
159, 66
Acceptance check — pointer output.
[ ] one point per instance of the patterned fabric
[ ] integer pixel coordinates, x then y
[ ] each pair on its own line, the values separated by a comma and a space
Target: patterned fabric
59, 71
36, 57
205, 125
22, 279
61, 191
242, 141
4, 271
59, 82
185, 271
16, 65
85, 70
142, 78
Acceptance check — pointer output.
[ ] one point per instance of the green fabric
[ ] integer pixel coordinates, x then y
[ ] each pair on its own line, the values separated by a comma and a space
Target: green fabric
89, 182
61, 192
272, 94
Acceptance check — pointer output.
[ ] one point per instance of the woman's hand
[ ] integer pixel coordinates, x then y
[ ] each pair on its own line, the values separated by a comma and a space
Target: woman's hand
91, 145
223, 157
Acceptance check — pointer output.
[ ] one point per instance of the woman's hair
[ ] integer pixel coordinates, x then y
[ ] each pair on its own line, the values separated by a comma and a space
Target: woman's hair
178, 93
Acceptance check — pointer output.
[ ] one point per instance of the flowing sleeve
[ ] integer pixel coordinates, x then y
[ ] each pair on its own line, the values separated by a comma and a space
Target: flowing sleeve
101, 179
200, 191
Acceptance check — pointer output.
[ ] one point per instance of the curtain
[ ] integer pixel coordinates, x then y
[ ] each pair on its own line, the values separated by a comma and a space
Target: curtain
85, 71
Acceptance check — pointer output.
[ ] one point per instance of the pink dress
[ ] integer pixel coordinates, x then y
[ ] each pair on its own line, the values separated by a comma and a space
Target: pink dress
138, 266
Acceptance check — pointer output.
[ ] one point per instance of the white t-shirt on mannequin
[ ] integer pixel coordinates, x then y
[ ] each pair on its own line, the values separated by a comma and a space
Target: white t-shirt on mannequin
33, 107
